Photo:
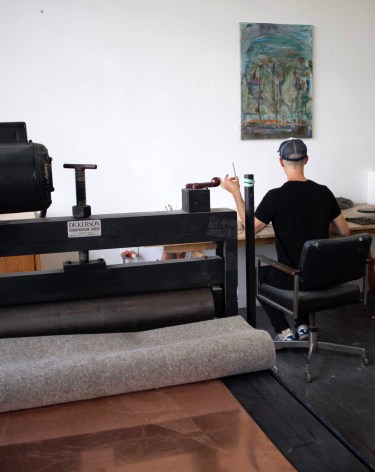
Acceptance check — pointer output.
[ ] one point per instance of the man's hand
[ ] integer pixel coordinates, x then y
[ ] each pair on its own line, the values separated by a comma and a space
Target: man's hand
231, 185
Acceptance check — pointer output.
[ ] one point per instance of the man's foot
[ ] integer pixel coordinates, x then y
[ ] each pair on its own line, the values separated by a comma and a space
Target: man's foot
286, 335
303, 332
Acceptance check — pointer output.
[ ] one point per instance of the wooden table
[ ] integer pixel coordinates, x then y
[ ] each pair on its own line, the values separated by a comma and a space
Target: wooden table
267, 235
353, 213
19, 263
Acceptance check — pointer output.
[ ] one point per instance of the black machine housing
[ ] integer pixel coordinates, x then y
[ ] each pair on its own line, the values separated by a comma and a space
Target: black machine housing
25, 171
27, 299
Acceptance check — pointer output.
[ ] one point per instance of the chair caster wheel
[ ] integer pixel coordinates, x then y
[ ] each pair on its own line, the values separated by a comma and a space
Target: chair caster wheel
308, 376
365, 361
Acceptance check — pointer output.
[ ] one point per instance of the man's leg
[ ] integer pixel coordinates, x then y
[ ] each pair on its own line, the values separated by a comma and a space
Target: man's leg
277, 317
281, 280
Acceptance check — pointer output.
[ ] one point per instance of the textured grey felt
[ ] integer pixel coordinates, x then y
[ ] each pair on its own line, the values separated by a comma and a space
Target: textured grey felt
38, 371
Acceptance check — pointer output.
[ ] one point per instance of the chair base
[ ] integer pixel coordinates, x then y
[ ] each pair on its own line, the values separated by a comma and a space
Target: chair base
313, 344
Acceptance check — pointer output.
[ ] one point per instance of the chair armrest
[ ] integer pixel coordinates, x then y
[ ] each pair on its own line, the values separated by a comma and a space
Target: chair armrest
277, 265
287, 270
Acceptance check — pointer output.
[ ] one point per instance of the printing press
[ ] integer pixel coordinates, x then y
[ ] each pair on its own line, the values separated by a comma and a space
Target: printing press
89, 296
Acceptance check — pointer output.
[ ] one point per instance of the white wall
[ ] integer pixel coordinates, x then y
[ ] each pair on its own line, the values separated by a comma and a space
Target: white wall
150, 91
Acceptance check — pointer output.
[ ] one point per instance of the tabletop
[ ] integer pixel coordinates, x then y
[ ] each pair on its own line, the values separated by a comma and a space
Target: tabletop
267, 235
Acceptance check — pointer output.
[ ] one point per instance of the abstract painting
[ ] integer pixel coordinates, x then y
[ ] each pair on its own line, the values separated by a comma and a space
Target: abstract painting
276, 81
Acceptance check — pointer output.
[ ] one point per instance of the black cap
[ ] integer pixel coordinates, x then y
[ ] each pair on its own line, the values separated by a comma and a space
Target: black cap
293, 150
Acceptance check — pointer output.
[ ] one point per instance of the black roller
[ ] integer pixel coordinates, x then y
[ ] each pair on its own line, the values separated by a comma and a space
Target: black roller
112, 314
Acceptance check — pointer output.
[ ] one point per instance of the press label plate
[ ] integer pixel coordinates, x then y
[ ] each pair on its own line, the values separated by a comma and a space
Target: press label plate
84, 228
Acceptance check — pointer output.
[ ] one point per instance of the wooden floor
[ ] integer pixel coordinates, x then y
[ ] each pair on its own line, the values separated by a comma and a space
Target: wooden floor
342, 392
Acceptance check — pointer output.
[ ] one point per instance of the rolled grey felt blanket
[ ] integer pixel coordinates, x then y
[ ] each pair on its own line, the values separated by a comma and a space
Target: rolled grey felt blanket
38, 371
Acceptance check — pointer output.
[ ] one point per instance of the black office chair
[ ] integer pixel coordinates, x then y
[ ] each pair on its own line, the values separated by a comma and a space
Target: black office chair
320, 283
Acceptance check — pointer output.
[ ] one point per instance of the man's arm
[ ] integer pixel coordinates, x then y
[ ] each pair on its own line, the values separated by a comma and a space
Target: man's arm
258, 225
340, 226
232, 185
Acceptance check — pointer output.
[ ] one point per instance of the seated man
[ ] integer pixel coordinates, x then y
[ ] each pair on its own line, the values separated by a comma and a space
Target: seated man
299, 210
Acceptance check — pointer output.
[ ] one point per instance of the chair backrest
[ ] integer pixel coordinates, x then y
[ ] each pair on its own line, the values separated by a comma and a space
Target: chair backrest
328, 262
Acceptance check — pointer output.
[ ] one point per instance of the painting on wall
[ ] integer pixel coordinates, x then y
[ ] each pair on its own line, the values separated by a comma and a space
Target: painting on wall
276, 81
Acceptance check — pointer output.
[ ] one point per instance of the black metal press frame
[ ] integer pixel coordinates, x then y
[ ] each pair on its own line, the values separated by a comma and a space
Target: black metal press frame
94, 278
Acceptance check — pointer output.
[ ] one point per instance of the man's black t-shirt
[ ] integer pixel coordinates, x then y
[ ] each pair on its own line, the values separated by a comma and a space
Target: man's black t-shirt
298, 211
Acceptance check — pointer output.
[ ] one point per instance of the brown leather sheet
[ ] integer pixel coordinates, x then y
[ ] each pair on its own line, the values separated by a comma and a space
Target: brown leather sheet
191, 428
